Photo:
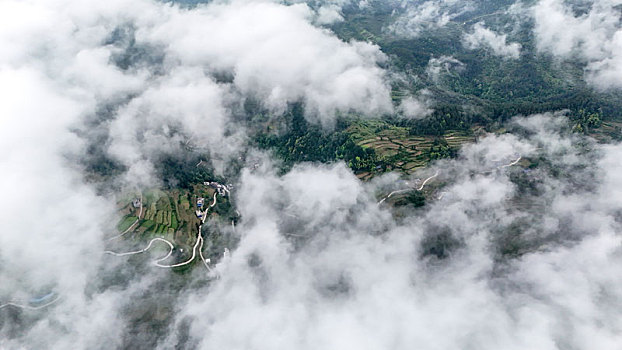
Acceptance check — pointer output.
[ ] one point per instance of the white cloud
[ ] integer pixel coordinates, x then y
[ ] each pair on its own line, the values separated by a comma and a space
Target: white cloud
419, 16
329, 14
416, 107
442, 65
319, 264
594, 37
279, 57
53, 222
482, 37
352, 276
185, 101
143, 76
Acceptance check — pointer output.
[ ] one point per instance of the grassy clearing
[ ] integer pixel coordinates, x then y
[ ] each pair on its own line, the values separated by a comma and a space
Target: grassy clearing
174, 223
184, 202
146, 225
126, 222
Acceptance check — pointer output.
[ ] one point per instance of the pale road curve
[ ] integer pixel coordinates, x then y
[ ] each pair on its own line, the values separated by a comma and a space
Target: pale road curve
205, 261
512, 163
213, 204
28, 307
157, 262
436, 174
194, 252
409, 189
426, 180
198, 244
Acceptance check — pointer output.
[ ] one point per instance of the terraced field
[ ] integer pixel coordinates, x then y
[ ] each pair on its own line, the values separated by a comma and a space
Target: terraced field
405, 152
609, 131
168, 214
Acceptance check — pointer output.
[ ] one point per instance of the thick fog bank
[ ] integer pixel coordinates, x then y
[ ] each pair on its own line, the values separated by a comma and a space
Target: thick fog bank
517, 246
510, 257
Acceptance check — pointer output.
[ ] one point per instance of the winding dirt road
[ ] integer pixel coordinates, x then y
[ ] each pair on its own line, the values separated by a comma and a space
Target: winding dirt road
197, 246
511, 164
28, 307
435, 175
409, 189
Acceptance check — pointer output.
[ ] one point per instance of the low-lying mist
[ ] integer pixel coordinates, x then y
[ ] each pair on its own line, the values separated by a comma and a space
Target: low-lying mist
517, 245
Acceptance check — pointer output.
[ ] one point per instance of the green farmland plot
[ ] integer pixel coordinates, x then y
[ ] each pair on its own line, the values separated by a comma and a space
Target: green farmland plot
126, 222
401, 150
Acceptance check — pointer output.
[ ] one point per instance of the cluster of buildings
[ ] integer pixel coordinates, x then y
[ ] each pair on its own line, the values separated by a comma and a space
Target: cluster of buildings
199, 211
223, 190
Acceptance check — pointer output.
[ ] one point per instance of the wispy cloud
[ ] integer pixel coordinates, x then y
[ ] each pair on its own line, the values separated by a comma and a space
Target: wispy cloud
482, 37
134, 81
592, 35
488, 266
509, 257
419, 16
